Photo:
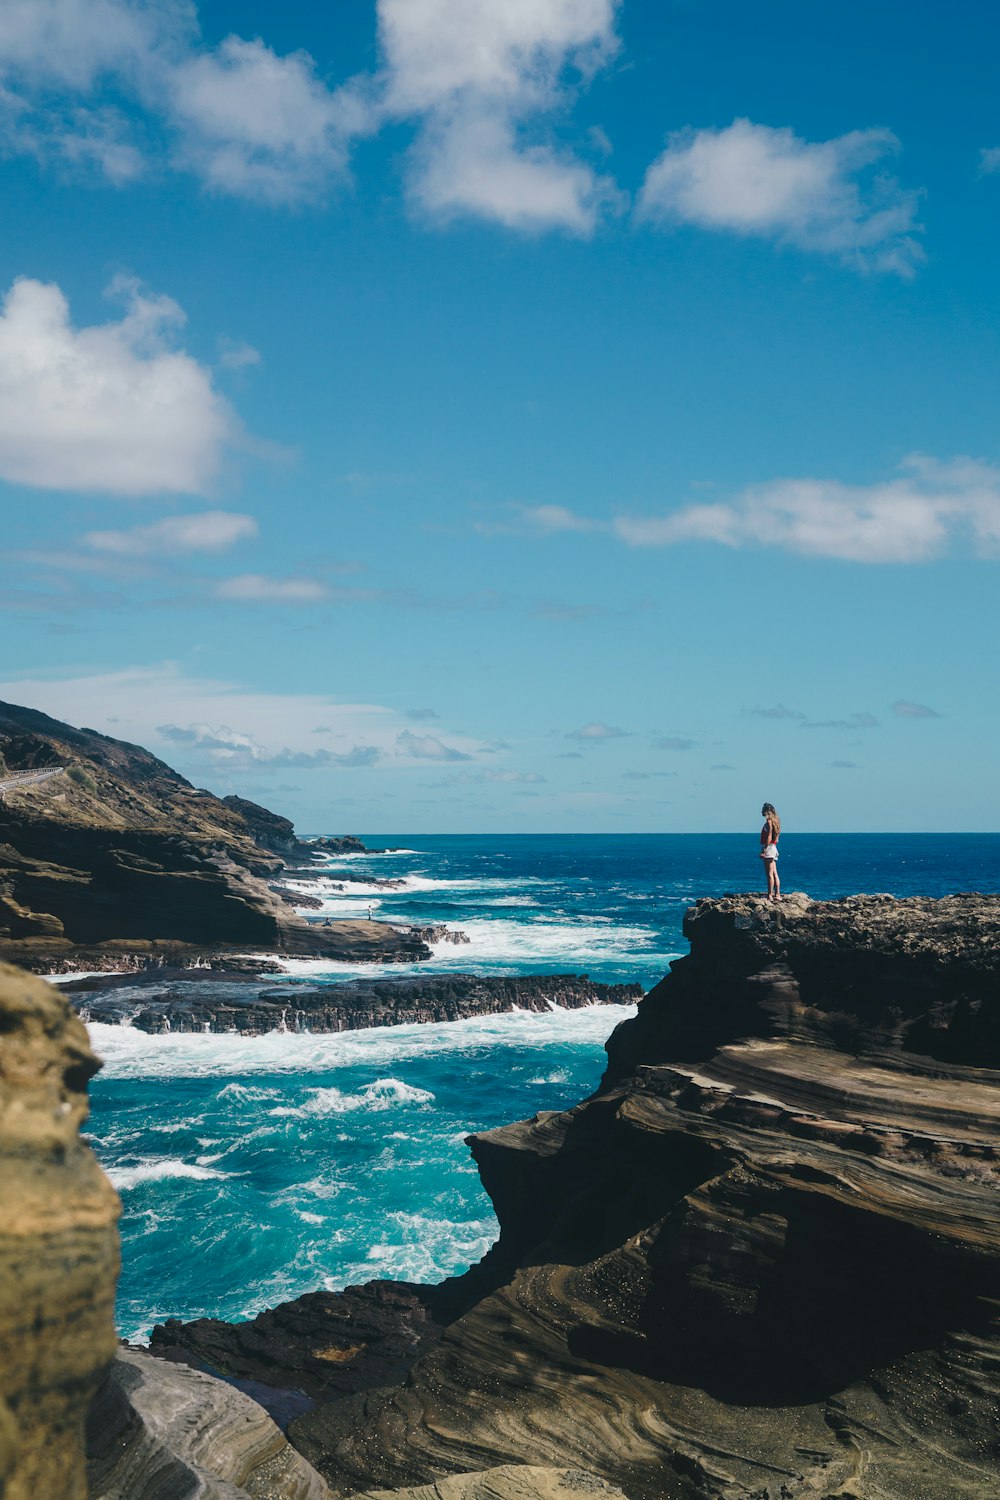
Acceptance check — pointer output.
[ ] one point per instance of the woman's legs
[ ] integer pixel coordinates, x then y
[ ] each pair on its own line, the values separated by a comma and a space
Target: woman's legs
775, 880
767, 863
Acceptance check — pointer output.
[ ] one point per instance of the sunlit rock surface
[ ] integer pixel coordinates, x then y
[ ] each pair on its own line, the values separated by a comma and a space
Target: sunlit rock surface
58, 1245
158, 1429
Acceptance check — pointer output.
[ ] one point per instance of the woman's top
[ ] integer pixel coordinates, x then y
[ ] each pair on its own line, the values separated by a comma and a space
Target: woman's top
769, 834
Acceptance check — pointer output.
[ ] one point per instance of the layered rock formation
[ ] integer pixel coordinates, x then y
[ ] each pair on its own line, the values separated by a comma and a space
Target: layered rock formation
761, 1263
58, 1245
217, 1002
157, 1430
119, 862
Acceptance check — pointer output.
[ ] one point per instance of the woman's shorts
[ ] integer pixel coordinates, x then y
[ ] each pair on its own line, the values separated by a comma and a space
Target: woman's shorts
771, 852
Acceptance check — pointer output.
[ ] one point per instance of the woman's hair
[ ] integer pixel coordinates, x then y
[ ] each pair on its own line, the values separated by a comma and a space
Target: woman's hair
768, 812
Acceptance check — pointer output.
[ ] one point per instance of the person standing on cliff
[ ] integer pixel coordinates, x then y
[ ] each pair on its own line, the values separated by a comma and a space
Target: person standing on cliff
769, 836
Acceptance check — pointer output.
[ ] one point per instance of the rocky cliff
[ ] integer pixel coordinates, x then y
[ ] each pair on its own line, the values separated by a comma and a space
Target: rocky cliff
58, 1245
761, 1263
119, 860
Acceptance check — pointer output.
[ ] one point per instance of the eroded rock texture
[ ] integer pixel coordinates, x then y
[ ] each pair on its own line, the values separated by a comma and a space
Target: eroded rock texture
58, 1245
158, 1430
764, 1260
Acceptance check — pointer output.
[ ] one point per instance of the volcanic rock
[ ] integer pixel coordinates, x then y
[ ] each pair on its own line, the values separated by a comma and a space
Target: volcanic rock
764, 1259
182, 1001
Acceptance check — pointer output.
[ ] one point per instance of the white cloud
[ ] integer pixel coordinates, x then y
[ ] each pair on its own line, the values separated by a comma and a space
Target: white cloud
257, 125
76, 42
476, 74
548, 520
207, 531
234, 355
246, 120
257, 588
757, 180
597, 731
906, 710
113, 407
989, 160
913, 518
427, 747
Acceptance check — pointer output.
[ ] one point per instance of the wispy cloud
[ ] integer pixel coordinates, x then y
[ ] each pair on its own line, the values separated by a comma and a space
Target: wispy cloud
844, 765
210, 723
427, 747
931, 507
853, 721
819, 196
776, 711
231, 747
596, 732
903, 709
674, 742
206, 531
258, 588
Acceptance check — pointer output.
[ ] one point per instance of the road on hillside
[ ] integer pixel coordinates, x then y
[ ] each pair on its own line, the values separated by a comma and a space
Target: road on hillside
27, 778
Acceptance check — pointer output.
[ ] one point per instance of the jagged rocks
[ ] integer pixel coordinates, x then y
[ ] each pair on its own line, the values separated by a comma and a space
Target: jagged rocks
172, 1003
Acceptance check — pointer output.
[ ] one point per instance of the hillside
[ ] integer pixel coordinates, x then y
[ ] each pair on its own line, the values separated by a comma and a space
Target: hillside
118, 860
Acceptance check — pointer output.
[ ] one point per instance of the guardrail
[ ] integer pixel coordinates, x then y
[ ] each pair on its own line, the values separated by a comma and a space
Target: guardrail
22, 778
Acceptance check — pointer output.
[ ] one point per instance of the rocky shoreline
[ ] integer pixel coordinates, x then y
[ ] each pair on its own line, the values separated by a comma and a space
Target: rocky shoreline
761, 1261
217, 1001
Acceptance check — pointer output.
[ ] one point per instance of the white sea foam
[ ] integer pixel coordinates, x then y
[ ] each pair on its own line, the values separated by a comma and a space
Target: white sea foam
504, 945
382, 1094
579, 943
124, 1178
129, 1053
416, 1247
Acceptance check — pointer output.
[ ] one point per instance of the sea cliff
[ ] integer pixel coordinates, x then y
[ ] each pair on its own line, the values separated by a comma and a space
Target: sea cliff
116, 862
762, 1260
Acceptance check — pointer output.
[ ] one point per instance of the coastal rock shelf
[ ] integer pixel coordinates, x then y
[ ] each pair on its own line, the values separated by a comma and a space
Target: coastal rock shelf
762, 1261
191, 1003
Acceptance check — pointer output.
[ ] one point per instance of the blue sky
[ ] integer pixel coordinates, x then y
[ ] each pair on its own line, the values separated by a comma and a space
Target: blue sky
446, 415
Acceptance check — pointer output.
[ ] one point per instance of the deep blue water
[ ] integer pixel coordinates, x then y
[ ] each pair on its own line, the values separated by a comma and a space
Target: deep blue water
252, 1169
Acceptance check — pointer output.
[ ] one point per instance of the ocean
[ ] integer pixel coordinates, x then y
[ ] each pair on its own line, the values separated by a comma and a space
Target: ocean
253, 1169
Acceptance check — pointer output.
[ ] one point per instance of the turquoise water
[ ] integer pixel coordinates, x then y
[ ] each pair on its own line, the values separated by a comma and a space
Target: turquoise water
253, 1169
